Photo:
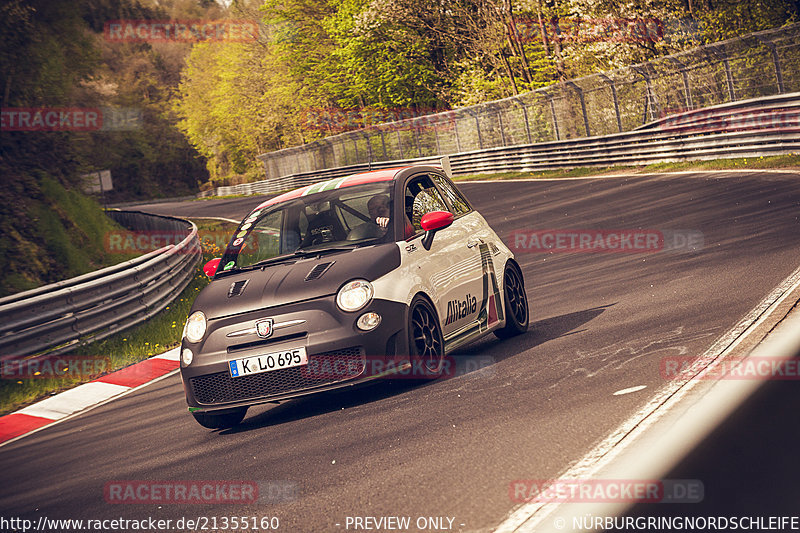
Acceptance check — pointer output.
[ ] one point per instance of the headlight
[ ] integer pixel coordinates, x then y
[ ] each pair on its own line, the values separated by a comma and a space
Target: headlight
354, 295
368, 321
195, 327
187, 356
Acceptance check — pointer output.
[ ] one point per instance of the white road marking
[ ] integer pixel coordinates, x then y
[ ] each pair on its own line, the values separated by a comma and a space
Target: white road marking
52, 408
528, 516
171, 355
629, 390
73, 400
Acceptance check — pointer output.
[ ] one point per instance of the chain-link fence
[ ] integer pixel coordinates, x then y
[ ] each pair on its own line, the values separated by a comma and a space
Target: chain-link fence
755, 65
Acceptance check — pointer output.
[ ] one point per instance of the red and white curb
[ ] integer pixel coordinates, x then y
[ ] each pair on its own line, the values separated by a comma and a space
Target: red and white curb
89, 395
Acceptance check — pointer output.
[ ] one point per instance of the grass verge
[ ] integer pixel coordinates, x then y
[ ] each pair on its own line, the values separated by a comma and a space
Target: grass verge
156, 335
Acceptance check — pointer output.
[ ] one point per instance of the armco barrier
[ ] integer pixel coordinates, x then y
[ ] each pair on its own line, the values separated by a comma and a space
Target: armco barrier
746, 128
57, 318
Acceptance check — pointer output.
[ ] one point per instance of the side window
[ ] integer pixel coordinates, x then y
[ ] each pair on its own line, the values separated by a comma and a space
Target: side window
422, 197
460, 205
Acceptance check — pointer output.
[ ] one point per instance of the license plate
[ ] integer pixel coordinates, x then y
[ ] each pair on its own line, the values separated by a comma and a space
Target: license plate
271, 361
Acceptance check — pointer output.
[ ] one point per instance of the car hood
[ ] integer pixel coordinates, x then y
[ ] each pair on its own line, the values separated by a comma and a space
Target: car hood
281, 284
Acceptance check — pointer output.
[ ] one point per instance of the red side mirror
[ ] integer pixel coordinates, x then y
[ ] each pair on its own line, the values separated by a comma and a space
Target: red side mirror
211, 267
436, 220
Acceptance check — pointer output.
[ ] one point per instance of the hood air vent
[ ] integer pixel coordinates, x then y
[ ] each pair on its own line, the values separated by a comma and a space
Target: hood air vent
237, 288
318, 271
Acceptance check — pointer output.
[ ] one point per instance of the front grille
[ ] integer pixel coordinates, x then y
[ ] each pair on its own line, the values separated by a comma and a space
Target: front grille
322, 369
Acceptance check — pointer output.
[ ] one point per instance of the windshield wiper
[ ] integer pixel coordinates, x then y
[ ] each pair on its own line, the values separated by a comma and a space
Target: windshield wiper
322, 251
297, 254
270, 261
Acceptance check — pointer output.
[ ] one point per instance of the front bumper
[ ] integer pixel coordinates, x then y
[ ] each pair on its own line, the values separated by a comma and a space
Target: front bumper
337, 353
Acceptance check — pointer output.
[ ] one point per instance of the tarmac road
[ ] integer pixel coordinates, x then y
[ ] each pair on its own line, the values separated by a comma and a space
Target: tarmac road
602, 322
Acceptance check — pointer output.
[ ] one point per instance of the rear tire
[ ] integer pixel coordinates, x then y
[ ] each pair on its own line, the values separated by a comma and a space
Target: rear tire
425, 340
516, 303
224, 420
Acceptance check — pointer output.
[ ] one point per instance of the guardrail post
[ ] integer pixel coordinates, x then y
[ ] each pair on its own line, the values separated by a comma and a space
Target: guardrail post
651, 103
719, 51
383, 146
502, 128
613, 87
477, 127
775, 61
583, 105
355, 147
687, 91
729, 79
553, 114
369, 145
525, 116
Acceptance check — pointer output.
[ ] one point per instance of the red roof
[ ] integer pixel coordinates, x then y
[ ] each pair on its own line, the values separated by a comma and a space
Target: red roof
335, 183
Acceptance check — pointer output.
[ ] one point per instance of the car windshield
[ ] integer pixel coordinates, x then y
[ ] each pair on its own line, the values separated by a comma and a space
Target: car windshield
318, 223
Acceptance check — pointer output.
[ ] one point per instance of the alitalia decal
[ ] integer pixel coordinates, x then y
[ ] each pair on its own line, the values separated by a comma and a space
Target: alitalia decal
491, 306
458, 309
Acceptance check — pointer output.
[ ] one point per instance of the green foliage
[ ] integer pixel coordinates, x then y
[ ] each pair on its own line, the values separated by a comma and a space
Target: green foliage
51, 233
329, 58
54, 55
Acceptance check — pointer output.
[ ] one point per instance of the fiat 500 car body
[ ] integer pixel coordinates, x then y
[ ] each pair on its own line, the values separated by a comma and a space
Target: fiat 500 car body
342, 282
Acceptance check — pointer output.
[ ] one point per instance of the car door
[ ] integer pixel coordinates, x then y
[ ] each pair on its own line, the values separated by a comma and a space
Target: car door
482, 253
451, 267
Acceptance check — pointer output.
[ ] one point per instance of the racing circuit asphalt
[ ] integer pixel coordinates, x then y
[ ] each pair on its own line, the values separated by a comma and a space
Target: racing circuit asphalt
450, 448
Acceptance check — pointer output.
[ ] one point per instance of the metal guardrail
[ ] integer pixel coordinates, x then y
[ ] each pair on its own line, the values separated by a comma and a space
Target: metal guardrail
57, 318
717, 136
747, 128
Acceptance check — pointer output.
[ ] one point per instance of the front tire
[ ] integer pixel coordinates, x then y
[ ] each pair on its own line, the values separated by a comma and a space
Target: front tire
516, 303
425, 340
225, 420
